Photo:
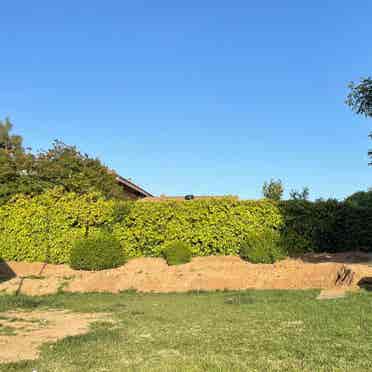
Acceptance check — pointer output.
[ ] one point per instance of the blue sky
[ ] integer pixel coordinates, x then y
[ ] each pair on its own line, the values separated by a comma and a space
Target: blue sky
202, 97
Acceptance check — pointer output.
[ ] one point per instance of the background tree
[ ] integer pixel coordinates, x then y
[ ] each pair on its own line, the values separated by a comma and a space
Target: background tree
62, 165
360, 199
273, 189
66, 166
300, 195
15, 165
360, 97
360, 100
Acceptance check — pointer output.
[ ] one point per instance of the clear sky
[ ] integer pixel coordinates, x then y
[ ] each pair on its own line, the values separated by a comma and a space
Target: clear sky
202, 97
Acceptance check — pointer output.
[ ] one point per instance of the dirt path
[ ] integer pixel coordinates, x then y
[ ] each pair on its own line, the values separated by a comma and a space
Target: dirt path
202, 273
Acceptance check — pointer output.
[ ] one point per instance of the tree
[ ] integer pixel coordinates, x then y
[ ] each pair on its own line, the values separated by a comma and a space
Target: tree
15, 164
360, 97
360, 199
273, 189
360, 100
62, 165
9, 143
66, 166
300, 195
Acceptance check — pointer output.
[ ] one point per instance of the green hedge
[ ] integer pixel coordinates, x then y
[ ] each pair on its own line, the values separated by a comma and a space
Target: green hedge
45, 227
325, 226
209, 227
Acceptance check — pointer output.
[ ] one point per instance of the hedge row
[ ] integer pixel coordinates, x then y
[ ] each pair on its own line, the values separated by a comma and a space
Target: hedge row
329, 226
45, 227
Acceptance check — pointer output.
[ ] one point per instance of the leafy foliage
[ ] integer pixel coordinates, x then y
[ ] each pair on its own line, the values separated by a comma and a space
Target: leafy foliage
362, 199
360, 100
325, 226
177, 253
360, 97
300, 195
98, 251
62, 165
15, 165
66, 166
44, 227
262, 248
273, 190
208, 226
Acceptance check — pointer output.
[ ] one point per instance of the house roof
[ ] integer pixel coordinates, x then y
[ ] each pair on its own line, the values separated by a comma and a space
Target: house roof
132, 186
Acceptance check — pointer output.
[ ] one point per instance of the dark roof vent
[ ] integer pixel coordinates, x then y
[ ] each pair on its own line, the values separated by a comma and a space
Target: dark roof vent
189, 197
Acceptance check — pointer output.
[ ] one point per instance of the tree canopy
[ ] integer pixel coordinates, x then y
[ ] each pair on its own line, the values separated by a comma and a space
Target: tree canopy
361, 199
273, 189
360, 100
21, 171
360, 97
300, 195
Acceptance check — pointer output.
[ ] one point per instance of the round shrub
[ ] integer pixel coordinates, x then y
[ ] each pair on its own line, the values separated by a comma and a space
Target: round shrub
263, 248
99, 251
177, 253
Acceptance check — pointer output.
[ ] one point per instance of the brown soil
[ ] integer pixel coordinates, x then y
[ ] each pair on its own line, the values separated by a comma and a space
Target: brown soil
25, 332
202, 273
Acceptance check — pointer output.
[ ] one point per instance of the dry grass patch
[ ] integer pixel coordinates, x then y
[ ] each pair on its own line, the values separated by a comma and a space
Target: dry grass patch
23, 332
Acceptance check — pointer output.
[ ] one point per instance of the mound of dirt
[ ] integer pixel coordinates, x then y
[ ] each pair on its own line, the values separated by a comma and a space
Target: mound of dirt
202, 273
22, 333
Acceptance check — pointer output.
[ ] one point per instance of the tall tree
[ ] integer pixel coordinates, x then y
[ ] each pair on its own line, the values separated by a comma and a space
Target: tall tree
360, 100
273, 189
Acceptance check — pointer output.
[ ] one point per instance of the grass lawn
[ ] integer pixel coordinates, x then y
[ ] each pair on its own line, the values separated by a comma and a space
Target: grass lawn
221, 331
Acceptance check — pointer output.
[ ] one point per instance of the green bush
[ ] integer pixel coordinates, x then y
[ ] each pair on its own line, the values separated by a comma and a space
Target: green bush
177, 253
264, 248
97, 252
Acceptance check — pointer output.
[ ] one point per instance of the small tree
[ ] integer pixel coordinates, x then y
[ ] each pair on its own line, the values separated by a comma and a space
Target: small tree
300, 195
273, 189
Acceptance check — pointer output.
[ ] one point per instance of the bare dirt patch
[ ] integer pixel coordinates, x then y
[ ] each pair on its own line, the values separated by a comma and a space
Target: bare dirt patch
25, 332
202, 273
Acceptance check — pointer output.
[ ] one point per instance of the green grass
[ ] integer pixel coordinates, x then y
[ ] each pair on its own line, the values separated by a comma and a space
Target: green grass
221, 331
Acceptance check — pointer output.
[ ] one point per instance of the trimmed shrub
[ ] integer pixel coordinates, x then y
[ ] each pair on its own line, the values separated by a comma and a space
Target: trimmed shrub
176, 253
96, 252
264, 248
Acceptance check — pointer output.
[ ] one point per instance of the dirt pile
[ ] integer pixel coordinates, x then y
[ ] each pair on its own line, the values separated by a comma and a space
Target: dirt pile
202, 273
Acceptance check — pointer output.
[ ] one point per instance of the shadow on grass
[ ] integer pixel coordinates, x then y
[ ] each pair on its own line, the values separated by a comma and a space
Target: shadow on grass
365, 283
6, 273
